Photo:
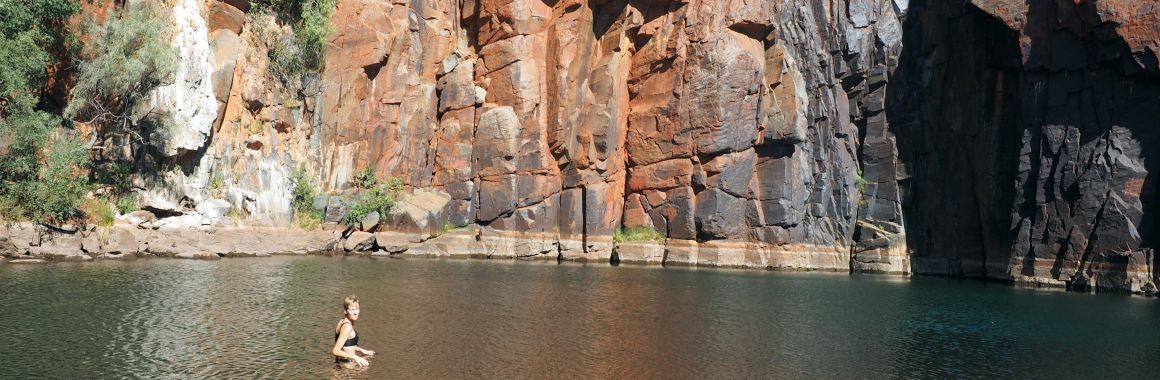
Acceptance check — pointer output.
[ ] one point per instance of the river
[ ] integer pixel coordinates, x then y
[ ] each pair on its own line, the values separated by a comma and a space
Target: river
433, 318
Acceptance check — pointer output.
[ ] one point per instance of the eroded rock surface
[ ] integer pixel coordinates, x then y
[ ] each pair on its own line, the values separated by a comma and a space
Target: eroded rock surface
1027, 128
1003, 138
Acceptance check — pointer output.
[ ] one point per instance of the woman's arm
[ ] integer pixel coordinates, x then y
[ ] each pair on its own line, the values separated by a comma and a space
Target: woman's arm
344, 334
364, 351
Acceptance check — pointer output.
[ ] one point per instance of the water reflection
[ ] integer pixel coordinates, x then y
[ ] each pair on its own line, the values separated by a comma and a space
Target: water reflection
453, 319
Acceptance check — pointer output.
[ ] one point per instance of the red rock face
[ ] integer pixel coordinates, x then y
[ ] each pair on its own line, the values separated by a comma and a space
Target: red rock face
748, 133
704, 120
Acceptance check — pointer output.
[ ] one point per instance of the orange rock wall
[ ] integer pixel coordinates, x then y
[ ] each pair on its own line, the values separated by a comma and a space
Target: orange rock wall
705, 120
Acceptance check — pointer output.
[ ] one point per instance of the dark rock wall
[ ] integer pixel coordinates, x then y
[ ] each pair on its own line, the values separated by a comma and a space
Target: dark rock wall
1025, 128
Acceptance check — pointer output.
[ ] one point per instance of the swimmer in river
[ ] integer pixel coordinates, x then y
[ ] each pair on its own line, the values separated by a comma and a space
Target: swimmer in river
346, 350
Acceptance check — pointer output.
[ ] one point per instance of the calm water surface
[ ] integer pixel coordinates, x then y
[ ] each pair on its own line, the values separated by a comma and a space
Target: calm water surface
274, 318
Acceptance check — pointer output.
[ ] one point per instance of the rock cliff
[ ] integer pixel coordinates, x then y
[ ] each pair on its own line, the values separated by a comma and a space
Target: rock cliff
999, 138
733, 128
1025, 127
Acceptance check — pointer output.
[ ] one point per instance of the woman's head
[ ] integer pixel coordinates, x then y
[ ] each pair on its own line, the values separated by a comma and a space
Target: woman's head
350, 307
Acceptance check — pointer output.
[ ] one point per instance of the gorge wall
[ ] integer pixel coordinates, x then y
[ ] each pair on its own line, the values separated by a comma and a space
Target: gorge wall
1026, 127
732, 128
999, 138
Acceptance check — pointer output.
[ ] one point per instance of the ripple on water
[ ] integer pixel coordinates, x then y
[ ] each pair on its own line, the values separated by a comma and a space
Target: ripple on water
247, 318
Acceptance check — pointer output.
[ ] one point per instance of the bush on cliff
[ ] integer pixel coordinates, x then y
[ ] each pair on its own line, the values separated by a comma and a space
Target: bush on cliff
379, 199
128, 57
310, 22
365, 179
305, 216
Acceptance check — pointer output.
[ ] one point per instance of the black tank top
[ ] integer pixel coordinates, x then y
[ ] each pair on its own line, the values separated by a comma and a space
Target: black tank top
349, 342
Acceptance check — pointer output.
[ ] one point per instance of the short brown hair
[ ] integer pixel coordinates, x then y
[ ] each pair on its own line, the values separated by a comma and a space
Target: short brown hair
346, 302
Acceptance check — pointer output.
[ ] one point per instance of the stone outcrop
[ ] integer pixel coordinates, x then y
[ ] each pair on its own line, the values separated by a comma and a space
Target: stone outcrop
999, 138
22, 241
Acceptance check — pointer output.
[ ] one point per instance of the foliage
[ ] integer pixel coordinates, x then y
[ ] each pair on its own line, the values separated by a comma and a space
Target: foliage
23, 130
365, 179
22, 62
292, 56
233, 213
257, 126
312, 31
59, 186
28, 30
636, 234
44, 16
42, 168
126, 204
305, 216
860, 182
217, 185
308, 220
116, 174
97, 211
394, 184
127, 58
10, 210
303, 191
381, 199
42, 177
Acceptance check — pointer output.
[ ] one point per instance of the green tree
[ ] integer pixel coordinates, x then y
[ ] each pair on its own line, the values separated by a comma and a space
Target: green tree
28, 29
61, 183
128, 57
42, 167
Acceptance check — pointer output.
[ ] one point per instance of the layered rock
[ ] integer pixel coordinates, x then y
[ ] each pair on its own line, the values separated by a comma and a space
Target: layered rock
731, 124
560, 123
999, 138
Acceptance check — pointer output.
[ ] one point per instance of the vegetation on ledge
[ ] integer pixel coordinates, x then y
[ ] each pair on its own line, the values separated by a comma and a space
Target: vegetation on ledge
636, 234
301, 52
379, 198
305, 215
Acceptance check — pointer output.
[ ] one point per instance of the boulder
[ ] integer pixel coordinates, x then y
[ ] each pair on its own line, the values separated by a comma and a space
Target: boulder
369, 222
223, 15
336, 211
359, 241
419, 212
392, 242
137, 218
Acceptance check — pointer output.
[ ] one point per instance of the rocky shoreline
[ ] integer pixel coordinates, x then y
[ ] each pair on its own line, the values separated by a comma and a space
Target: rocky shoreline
24, 243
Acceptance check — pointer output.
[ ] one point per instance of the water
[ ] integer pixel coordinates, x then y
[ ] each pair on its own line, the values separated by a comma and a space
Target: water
274, 318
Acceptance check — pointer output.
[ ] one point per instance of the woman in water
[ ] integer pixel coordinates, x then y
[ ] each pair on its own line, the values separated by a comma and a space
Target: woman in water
346, 347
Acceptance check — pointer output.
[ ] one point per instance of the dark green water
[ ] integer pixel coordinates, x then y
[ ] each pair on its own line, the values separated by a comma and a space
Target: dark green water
274, 318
